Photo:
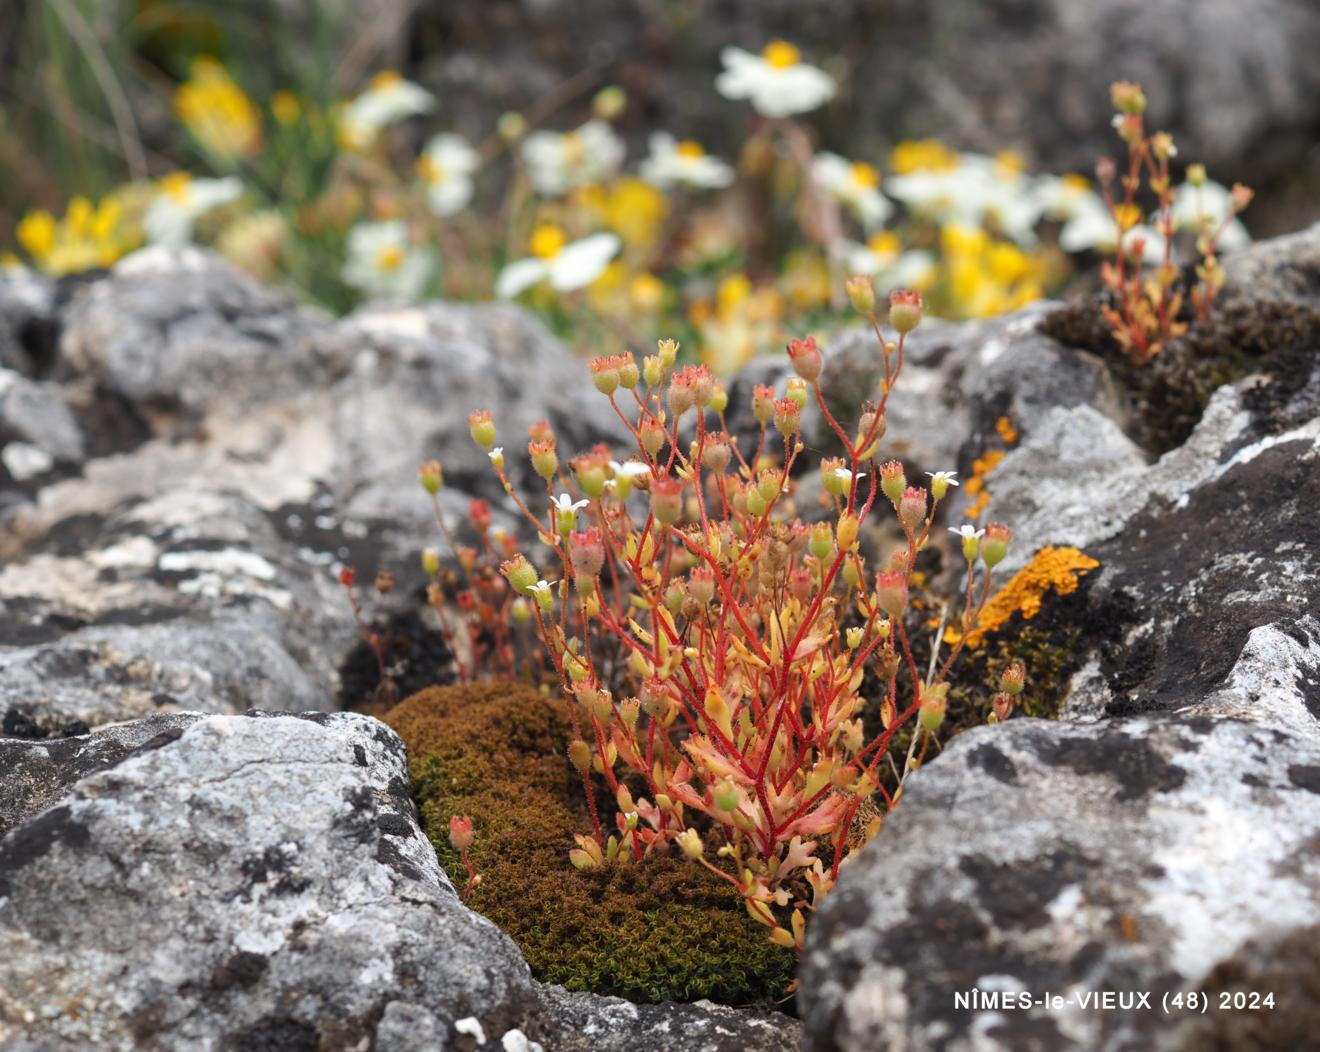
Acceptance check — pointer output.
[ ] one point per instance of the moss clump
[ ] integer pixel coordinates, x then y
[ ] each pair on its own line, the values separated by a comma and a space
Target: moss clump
658, 929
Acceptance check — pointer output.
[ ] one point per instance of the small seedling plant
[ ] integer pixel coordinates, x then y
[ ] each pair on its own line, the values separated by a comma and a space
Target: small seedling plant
1146, 308
713, 649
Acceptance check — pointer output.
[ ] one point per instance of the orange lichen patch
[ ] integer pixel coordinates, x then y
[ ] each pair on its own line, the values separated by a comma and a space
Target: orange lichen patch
975, 486
1006, 431
1050, 569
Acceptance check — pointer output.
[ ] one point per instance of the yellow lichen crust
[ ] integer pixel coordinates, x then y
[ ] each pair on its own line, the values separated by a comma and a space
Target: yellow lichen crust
1050, 569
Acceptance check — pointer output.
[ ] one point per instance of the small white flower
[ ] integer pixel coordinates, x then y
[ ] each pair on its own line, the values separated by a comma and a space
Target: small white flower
776, 82
388, 99
978, 191
629, 468
947, 477
564, 502
1206, 207
882, 259
560, 161
1090, 227
566, 265
847, 475
542, 587
683, 163
383, 262
446, 167
967, 531
497, 457
180, 201
854, 184
1063, 197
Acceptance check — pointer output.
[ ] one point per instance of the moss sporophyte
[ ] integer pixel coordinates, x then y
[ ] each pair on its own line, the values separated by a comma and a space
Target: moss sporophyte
735, 677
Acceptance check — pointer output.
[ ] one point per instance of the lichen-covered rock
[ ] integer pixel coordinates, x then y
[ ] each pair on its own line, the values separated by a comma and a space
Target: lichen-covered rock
188, 565
240, 882
260, 882
1160, 838
587, 1023
1157, 855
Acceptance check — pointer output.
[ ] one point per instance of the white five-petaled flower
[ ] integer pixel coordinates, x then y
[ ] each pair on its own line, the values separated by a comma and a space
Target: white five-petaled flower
564, 502
776, 82
949, 478
967, 532
683, 163
388, 99
882, 258
977, 191
854, 184
560, 161
180, 201
446, 167
566, 265
383, 262
629, 468
1206, 207
1066, 196
541, 586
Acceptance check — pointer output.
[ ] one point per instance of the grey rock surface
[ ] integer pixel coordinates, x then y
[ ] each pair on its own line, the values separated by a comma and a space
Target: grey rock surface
1161, 837
1157, 855
588, 1023
242, 882
193, 882
192, 567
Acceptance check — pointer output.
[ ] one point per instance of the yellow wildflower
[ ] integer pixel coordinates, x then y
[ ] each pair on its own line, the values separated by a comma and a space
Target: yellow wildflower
922, 155
89, 236
217, 112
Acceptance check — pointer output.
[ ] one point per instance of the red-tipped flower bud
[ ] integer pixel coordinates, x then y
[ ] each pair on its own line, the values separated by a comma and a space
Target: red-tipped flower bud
891, 593
904, 310
806, 358
994, 545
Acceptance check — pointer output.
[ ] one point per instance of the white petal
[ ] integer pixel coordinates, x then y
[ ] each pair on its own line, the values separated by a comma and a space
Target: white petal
582, 262
518, 277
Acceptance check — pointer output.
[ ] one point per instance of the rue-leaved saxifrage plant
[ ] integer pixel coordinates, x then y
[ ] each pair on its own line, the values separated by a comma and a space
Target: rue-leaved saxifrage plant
712, 649
1146, 310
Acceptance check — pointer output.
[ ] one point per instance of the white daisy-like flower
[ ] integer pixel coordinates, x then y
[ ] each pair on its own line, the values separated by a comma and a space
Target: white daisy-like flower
1090, 227
776, 82
383, 262
978, 191
567, 265
1205, 207
387, 100
566, 503
854, 184
1065, 196
949, 478
967, 532
180, 201
560, 161
446, 167
683, 164
882, 258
